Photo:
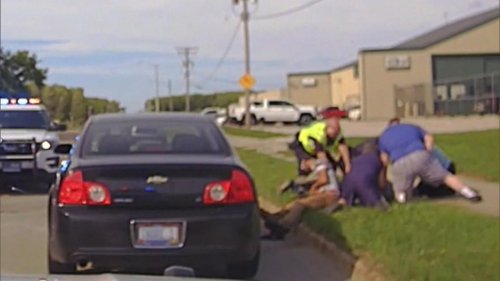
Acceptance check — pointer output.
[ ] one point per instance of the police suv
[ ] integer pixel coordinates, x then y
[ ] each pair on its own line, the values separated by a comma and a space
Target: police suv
27, 142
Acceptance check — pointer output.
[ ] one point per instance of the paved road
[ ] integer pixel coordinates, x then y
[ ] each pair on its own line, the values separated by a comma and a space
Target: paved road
23, 247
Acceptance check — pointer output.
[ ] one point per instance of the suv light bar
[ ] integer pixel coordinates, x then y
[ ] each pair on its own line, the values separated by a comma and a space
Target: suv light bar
19, 101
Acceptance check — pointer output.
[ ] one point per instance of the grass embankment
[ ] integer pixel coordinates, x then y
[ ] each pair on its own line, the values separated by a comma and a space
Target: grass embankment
476, 153
418, 241
251, 133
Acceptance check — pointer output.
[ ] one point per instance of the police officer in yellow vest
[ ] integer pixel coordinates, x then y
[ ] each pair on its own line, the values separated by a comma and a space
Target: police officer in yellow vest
322, 140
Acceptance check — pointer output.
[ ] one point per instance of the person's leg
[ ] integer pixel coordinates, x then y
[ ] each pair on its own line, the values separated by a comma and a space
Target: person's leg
293, 216
403, 177
369, 195
319, 201
433, 173
348, 190
452, 168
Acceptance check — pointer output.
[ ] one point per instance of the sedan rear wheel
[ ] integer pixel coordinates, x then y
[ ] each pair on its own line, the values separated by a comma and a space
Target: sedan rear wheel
246, 269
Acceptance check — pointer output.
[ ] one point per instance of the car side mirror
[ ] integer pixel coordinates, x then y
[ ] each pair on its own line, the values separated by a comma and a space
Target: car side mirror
63, 148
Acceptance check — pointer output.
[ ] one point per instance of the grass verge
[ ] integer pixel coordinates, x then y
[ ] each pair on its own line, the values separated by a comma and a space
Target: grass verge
419, 241
251, 133
476, 153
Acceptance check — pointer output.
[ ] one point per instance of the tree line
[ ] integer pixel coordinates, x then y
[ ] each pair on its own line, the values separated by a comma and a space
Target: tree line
20, 72
197, 101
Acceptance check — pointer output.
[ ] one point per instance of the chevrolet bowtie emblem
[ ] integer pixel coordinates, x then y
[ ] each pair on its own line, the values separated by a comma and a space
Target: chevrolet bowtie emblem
156, 180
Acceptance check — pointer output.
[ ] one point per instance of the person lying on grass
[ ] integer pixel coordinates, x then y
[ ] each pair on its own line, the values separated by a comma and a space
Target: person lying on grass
322, 193
410, 151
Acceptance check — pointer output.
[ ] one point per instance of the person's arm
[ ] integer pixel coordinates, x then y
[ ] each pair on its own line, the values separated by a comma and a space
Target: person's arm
344, 154
426, 138
384, 157
321, 180
320, 151
321, 155
382, 178
429, 142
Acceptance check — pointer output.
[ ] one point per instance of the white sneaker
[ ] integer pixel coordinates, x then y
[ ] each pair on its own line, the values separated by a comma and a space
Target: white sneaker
400, 197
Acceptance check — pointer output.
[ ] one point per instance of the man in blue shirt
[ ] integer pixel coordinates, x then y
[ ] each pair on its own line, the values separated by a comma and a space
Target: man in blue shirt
409, 149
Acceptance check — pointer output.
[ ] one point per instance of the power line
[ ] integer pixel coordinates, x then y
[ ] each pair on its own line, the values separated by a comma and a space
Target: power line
224, 55
289, 11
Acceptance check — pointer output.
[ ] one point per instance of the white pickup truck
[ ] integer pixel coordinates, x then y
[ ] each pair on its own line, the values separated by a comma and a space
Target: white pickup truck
271, 111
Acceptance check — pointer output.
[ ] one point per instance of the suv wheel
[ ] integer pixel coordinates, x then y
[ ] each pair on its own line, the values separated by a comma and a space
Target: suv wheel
253, 120
305, 119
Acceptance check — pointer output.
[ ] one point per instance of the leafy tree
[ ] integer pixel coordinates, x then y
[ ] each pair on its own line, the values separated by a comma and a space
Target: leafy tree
64, 105
78, 113
198, 101
19, 69
34, 90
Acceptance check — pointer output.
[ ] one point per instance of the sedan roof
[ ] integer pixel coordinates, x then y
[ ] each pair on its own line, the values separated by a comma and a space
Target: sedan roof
165, 116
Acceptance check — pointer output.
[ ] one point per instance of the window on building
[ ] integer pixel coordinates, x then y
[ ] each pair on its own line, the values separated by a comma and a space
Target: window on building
466, 77
448, 68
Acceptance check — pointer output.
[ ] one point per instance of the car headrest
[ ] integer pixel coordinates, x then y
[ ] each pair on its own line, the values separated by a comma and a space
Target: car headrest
188, 143
113, 144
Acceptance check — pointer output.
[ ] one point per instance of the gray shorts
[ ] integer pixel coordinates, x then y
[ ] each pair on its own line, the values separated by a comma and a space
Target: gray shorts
420, 164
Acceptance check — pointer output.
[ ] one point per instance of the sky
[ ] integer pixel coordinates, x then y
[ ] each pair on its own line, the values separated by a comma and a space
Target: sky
109, 47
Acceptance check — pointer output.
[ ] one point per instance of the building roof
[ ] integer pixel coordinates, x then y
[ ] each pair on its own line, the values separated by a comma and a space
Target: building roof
427, 39
344, 66
310, 73
447, 31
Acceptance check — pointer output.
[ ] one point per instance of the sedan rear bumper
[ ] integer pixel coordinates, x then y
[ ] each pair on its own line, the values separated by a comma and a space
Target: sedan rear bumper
102, 235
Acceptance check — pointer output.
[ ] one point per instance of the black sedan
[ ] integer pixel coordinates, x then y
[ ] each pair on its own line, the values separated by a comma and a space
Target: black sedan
143, 192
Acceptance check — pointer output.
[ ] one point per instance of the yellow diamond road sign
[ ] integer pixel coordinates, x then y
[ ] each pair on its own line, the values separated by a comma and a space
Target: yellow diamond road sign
247, 81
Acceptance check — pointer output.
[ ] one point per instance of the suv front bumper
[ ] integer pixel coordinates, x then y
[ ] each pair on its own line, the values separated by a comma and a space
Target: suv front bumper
38, 168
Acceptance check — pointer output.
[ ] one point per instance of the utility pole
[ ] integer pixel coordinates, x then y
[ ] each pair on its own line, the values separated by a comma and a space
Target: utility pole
170, 101
187, 63
245, 17
157, 90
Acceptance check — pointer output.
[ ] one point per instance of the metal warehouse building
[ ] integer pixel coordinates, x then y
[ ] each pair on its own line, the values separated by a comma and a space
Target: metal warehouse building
454, 69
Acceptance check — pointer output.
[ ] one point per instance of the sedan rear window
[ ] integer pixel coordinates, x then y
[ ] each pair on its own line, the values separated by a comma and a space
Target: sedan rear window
153, 137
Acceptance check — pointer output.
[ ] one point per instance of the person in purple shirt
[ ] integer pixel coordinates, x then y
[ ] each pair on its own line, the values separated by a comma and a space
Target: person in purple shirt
409, 149
364, 184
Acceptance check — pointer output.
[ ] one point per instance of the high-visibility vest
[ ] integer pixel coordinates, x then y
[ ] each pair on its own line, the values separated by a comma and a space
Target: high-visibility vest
317, 132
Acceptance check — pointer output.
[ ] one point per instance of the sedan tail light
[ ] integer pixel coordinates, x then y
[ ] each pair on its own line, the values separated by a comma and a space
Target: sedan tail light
75, 191
237, 190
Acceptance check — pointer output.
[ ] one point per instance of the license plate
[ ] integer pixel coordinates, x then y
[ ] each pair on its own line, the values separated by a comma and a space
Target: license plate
11, 167
157, 234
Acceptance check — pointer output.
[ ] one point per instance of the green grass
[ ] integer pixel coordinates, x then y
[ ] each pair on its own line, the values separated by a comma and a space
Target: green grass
418, 241
251, 133
476, 153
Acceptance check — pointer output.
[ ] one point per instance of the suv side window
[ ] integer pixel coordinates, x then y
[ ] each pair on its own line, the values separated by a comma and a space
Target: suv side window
280, 103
